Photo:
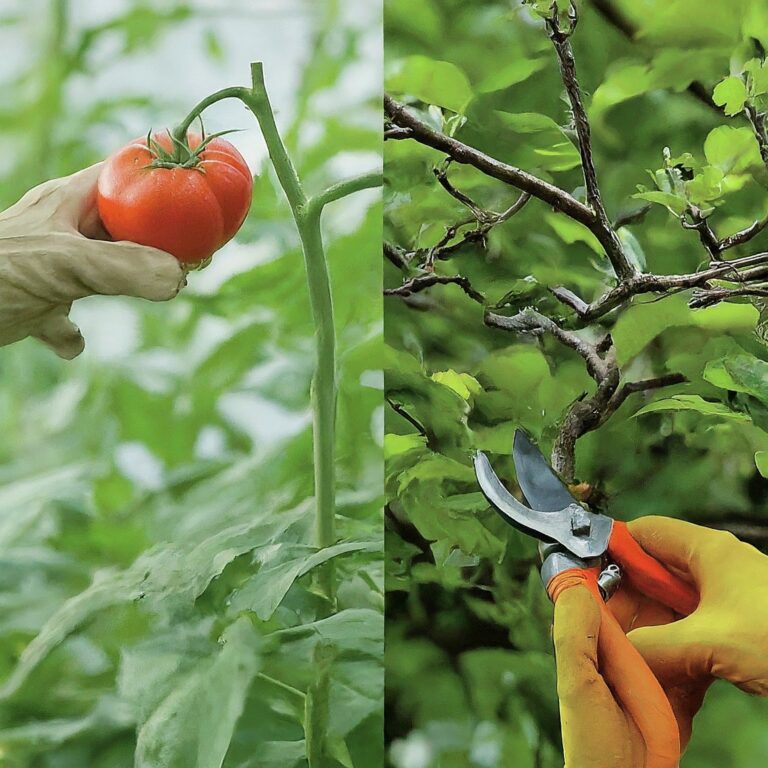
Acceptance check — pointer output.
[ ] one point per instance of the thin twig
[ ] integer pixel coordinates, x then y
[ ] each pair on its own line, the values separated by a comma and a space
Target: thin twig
422, 282
627, 389
396, 256
396, 134
651, 283
400, 411
744, 235
560, 37
707, 235
713, 296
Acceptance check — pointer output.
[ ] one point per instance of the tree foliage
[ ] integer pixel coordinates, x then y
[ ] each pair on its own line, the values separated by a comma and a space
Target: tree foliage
157, 598
615, 312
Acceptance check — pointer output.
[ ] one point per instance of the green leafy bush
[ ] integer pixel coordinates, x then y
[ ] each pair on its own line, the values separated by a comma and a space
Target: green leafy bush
478, 344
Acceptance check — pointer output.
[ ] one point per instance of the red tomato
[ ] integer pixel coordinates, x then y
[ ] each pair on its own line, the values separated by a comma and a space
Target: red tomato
188, 212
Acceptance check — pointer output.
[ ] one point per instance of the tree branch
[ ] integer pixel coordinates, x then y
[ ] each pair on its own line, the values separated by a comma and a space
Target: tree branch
422, 282
400, 411
663, 284
706, 234
708, 298
463, 153
532, 322
587, 413
560, 38
744, 235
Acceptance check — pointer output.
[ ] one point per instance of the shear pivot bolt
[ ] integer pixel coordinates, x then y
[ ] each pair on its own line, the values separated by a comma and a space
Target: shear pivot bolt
580, 522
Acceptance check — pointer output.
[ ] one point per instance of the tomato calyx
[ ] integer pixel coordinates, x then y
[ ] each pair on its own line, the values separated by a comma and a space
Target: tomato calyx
181, 155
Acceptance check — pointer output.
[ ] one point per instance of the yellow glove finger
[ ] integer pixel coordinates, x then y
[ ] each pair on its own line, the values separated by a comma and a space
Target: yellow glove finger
596, 731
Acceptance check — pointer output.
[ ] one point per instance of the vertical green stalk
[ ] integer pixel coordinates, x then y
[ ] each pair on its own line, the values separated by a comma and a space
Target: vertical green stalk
52, 75
306, 213
324, 386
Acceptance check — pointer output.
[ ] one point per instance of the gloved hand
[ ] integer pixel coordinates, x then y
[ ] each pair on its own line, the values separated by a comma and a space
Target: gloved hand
727, 635
54, 250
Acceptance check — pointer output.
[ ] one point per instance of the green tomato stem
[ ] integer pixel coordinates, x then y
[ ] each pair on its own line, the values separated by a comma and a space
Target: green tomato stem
306, 214
236, 92
324, 384
347, 187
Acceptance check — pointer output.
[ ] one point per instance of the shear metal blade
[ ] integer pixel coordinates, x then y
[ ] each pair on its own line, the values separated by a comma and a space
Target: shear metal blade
580, 532
542, 488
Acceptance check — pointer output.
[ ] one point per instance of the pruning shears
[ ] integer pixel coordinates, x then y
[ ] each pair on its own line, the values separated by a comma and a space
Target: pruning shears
574, 537
581, 547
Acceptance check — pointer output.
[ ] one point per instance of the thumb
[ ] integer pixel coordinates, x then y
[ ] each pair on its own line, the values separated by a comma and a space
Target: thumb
59, 333
684, 547
79, 267
129, 269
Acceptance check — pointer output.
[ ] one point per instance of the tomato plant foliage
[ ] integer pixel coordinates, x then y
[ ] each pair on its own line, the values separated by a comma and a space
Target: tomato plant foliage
158, 598
667, 88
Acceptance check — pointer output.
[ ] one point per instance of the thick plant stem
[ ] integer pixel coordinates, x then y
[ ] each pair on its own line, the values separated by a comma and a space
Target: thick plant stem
306, 214
324, 386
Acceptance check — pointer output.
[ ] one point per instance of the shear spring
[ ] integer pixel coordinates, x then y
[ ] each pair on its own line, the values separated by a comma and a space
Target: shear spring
608, 581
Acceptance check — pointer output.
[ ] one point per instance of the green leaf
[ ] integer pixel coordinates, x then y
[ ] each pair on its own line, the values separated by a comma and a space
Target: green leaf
706, 186
761, 462
570, 231
717, 374
632, 249
528, 122
674, 203
462, 384
733, 150
625, 81
556, 151
731, 94
750, 374
757, 77
280, 566
510, 73
692, 403
194, 724
394, 445
432, 81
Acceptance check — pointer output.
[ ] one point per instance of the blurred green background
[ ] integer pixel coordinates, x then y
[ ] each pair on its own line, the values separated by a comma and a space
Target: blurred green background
470, 668
156, 603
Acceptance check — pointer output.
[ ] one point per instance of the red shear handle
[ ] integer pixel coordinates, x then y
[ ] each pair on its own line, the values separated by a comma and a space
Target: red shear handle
648, 575
629, 678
